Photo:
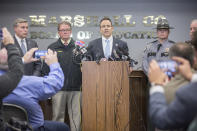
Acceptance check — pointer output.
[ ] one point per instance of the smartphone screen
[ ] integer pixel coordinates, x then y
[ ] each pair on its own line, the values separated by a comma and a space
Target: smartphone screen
169, 67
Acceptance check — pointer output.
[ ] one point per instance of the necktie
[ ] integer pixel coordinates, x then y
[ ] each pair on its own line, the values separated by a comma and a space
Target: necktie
107, 49
158, 47
23, 46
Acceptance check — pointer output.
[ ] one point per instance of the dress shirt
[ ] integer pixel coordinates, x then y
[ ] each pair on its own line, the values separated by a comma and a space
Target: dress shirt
20, 43
105, 44
67, 42
32, 89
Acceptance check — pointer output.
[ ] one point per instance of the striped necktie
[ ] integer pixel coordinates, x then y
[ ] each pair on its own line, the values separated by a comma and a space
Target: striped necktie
158, 47
23, 46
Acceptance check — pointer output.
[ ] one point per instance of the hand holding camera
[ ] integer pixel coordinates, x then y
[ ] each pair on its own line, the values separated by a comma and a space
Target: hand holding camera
28, 57
156, 75
50, 57
6, 37
184, 67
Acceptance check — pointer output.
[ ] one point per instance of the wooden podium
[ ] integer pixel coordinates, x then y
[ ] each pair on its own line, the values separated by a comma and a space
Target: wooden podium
112, 98
105, 96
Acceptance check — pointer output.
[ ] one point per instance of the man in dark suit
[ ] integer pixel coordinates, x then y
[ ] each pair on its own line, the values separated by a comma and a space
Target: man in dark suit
107, 47
24, 44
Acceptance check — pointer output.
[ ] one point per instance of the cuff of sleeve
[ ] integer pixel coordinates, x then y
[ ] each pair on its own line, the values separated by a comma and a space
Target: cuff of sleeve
23, 60
54, 66
194, 78
156, 89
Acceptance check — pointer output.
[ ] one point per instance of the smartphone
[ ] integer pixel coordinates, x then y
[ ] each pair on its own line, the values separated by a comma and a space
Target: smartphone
169, 67
39, 53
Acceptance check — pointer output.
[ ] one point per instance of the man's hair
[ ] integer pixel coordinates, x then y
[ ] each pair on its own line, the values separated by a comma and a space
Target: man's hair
183, 50
64, 23
19, 20
194, 40
194, 21
105, 18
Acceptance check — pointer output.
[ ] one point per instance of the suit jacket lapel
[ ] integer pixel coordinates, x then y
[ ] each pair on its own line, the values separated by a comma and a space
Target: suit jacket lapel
100, 46
113, 47
28, 44
17, 44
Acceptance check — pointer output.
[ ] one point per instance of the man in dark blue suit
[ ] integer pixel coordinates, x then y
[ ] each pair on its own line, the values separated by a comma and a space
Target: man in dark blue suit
107, 47
24, 44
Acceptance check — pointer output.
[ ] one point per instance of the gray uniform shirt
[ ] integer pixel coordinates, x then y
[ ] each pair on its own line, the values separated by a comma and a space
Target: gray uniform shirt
153, 51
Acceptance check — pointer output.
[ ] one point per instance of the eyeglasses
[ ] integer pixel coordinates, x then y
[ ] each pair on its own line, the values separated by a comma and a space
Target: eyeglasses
106, 26
65, 30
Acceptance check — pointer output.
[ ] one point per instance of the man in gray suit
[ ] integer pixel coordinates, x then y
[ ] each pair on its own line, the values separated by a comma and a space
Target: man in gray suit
24, 44
107, 47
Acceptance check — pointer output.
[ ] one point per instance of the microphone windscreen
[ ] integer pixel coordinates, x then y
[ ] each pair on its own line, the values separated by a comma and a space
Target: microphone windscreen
80, 43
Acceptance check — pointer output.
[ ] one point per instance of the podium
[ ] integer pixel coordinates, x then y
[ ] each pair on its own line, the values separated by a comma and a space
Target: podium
105, 96
112, 98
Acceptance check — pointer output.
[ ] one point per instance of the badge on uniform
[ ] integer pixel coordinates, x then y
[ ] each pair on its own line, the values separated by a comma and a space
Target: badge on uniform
167, 49
165, 54
151, 54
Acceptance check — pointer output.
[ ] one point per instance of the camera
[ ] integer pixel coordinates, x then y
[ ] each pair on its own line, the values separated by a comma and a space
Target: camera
40, 53
169, 67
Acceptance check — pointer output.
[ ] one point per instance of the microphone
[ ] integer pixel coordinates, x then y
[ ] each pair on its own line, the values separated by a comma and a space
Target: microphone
134, 61
122, 53
98, 57
77, 53
79, 48
80, 52
118, 53
76, 50
117, 57
83, 50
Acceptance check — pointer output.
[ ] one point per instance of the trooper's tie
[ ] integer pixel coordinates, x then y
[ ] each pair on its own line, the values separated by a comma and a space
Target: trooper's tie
23, 46
107, 49
158, 47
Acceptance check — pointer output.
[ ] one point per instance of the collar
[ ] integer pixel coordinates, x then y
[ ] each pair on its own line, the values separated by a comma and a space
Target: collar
19, 39
68, 41
163, 41
110, 38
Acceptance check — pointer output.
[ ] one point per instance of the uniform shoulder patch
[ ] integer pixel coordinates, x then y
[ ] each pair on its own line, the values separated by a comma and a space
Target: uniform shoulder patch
148, 46
171, 41
154, 41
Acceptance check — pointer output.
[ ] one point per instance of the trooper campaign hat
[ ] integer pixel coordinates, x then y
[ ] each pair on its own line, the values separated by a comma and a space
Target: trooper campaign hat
163, 24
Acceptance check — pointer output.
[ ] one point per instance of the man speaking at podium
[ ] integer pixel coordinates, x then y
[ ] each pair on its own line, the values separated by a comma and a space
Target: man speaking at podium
107, 47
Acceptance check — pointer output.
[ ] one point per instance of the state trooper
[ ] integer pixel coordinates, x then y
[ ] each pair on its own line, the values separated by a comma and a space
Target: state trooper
159, 48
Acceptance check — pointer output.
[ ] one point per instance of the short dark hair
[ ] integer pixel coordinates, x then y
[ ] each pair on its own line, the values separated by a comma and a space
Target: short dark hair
194, 40
105, 18
64, 23
183, 50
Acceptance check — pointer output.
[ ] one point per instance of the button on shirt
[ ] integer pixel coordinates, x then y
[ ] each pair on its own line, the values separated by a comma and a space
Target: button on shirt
152, 52
104, 43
